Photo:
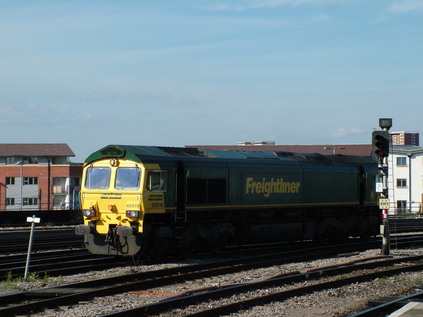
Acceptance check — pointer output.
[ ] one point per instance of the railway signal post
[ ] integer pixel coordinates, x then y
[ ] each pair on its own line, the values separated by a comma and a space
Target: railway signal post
380, 150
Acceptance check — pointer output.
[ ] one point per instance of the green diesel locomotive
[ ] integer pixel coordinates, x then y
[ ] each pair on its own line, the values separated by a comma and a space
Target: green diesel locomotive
161, 200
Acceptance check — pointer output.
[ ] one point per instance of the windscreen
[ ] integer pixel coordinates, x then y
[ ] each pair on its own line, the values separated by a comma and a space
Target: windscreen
97, 178
128, 178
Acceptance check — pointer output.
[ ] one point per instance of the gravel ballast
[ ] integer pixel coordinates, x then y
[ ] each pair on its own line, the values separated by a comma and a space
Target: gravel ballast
338, 302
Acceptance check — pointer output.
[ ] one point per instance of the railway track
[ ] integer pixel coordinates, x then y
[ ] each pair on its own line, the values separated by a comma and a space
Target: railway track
44, 239
194, 300
65, 262
70, 294
388, 306
34, 300
56, 263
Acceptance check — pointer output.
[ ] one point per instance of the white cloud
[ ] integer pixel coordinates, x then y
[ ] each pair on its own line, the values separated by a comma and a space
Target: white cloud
406, 6
38, 114
342, 132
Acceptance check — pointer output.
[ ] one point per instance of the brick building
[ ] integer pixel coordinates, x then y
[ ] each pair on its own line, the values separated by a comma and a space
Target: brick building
38, 177
405, 138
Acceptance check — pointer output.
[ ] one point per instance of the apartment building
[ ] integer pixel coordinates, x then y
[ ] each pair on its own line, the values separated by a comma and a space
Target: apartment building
38, 176
405, 179
405, 138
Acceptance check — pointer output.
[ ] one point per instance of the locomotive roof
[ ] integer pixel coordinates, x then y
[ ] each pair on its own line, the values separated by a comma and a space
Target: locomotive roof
142, 153
150, 153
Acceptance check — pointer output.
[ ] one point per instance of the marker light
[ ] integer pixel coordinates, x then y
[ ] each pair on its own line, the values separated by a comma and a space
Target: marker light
89, 212
132, 213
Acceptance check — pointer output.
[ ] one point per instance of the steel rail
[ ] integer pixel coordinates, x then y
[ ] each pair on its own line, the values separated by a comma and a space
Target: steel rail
61, 266
177, 303
71, 293
389, 306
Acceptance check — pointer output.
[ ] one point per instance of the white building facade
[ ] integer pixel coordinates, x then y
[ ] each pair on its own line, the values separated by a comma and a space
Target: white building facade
405, 179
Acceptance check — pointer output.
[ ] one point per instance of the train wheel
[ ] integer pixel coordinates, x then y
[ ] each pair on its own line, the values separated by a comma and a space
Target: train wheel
161, 248
369, 227
327, 231
223, 241
158, 244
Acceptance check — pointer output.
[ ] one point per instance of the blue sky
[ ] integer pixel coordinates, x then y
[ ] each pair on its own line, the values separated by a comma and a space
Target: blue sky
93, 73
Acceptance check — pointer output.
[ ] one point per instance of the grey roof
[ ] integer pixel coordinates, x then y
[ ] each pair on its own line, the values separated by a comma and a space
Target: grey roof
35, 149
404, 149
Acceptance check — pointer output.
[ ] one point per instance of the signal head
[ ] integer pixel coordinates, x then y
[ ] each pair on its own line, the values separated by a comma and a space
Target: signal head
380, 144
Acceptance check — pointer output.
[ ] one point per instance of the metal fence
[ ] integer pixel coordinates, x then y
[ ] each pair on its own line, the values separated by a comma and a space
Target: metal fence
414, 208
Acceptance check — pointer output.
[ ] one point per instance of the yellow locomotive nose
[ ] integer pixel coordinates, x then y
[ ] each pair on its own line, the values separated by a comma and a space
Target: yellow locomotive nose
111, 198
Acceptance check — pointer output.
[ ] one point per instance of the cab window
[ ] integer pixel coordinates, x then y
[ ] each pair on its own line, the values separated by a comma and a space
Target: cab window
157, 181
127, 178
97, 178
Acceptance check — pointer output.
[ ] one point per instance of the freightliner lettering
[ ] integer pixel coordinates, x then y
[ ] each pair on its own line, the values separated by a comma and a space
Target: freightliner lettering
272, 186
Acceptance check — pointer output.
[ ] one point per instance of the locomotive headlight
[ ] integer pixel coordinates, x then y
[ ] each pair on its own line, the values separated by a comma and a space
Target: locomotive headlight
89, 212
114, 162
132, 213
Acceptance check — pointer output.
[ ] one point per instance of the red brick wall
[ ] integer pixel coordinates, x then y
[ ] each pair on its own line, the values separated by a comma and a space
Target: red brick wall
40, 171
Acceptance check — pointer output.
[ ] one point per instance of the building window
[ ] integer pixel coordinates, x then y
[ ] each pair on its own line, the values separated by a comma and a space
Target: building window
401, 205
30, 160
30, 201
11, 160
10, 181
401, 161
10, 201
30, 180
401, 182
